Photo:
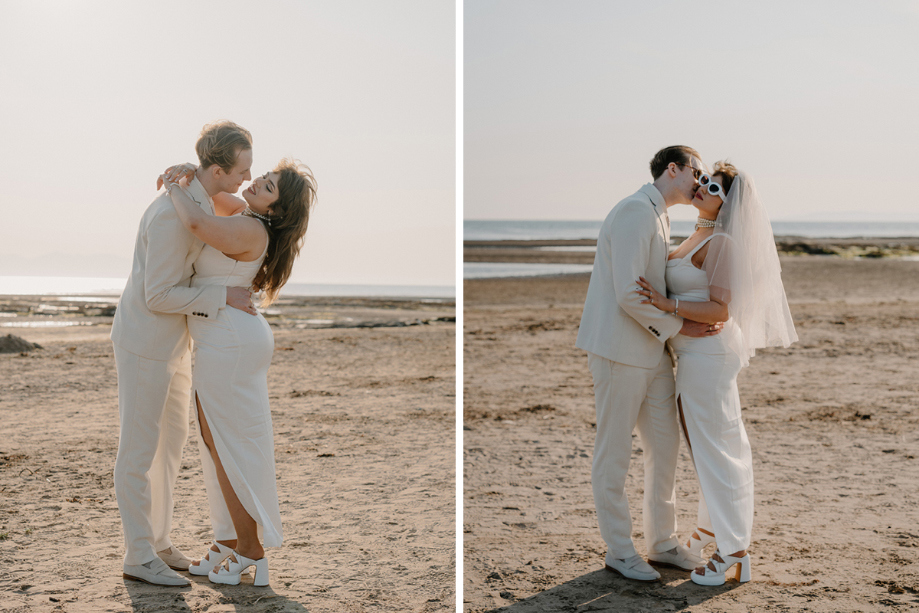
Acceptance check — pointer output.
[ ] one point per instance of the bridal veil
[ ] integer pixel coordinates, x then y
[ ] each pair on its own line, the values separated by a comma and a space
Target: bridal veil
744, 272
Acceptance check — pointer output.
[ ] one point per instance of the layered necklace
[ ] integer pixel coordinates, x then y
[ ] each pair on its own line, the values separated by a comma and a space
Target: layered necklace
249, 212
704, 223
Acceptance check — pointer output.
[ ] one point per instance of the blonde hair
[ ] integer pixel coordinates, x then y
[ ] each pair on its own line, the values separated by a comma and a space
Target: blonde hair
290, 216
220, 143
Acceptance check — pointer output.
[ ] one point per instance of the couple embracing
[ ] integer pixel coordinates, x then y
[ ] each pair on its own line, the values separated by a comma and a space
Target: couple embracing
200, 253
703, 309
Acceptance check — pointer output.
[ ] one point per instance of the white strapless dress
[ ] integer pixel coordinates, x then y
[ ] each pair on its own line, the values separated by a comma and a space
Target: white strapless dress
232, 355
706, 388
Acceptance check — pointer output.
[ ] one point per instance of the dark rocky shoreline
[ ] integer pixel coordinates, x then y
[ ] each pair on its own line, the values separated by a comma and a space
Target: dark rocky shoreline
541, 251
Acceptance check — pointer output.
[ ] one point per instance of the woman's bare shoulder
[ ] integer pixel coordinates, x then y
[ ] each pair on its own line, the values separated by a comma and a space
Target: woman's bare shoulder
226, 205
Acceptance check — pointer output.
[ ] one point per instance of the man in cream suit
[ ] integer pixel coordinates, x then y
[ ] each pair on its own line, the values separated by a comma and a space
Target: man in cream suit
632, 371
152, 344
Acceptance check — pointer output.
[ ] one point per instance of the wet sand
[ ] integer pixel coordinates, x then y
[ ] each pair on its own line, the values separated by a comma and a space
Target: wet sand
833, 424
579, 252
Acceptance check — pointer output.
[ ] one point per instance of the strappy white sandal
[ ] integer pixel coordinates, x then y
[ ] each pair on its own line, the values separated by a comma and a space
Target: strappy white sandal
716, 577
698, 541
210, 560
229, 573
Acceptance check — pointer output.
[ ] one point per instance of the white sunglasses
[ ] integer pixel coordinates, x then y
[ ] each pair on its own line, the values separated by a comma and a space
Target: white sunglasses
713, 188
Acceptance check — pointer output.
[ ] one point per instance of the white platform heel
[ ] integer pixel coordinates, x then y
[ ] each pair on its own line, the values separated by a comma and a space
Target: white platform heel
210, 560
716, 577
698, 541
229, 574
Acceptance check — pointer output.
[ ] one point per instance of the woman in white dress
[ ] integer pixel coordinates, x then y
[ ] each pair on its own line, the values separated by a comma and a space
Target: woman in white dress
248, 243
727, 271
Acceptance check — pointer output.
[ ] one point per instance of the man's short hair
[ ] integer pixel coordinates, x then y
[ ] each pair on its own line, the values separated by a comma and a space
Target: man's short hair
679, 154
220, 143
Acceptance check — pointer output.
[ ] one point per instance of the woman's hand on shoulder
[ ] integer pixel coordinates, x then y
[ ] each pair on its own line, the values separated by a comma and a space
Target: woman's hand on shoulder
174, 174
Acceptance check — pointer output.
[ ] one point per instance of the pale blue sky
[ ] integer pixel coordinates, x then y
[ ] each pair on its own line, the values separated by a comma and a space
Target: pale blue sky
98, 97
566, 102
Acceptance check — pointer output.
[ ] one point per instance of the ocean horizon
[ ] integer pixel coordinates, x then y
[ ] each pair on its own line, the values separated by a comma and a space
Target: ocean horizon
37, 285
495, 230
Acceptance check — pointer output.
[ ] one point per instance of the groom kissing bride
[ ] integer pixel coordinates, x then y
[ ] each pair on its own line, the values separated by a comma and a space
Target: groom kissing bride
703, 308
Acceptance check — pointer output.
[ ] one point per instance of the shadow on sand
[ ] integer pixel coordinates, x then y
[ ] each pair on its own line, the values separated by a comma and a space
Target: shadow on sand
146, 598
603, 590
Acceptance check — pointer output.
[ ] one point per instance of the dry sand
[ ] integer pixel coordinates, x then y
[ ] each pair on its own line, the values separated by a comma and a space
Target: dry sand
364, 440
833, 423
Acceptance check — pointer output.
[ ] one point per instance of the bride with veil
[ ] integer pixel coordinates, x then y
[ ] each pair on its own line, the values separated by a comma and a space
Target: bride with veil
727, 271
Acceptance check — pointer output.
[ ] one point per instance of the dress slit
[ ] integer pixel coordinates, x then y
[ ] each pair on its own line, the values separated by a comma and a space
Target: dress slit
233, 352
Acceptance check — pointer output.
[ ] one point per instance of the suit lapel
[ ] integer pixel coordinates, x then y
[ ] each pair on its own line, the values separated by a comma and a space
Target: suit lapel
199, 195
660, 209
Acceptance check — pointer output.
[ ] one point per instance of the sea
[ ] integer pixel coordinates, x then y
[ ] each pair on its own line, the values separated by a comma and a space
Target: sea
113, 286
493, 230
497, 230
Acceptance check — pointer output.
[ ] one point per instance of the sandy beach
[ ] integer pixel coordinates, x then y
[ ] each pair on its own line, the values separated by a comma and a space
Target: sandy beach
363, 405
832, 422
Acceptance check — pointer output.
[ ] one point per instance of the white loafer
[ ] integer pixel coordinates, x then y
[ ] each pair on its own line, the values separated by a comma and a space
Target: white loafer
716, 577
154, 572
679, 557
210, 560
632, 568
174, 559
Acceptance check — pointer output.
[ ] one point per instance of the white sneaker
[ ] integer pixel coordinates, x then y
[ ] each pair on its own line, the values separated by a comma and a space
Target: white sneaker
174, 559
632, 568
679, 557
154, 572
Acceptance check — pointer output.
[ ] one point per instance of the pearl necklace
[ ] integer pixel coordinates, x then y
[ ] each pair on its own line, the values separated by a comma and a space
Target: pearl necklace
704, 223
252, 213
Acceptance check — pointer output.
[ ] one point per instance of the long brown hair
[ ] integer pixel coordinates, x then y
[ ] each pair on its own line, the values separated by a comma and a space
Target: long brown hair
290, 215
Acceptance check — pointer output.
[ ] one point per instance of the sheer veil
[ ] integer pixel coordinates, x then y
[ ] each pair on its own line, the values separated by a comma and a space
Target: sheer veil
743, 270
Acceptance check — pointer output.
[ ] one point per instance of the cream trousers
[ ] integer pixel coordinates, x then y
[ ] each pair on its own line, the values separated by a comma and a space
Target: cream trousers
153, 397
626, 397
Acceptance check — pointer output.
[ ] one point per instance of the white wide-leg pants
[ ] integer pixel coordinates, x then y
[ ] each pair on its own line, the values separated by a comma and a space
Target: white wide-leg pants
153, 397
626, 397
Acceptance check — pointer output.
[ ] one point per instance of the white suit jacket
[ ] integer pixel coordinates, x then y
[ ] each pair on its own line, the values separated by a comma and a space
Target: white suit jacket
634, 241
150, 318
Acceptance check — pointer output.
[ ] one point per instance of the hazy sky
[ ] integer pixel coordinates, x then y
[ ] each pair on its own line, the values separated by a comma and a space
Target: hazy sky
566, 102
98, 97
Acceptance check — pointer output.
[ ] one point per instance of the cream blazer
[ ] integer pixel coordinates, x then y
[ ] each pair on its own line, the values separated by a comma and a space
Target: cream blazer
634, 241
150, 318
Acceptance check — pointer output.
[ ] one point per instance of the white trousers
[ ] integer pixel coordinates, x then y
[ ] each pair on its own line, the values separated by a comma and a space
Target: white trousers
153, 398
626, 397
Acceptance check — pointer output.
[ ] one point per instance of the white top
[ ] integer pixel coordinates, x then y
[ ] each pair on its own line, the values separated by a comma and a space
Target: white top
214, 268
684, 280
